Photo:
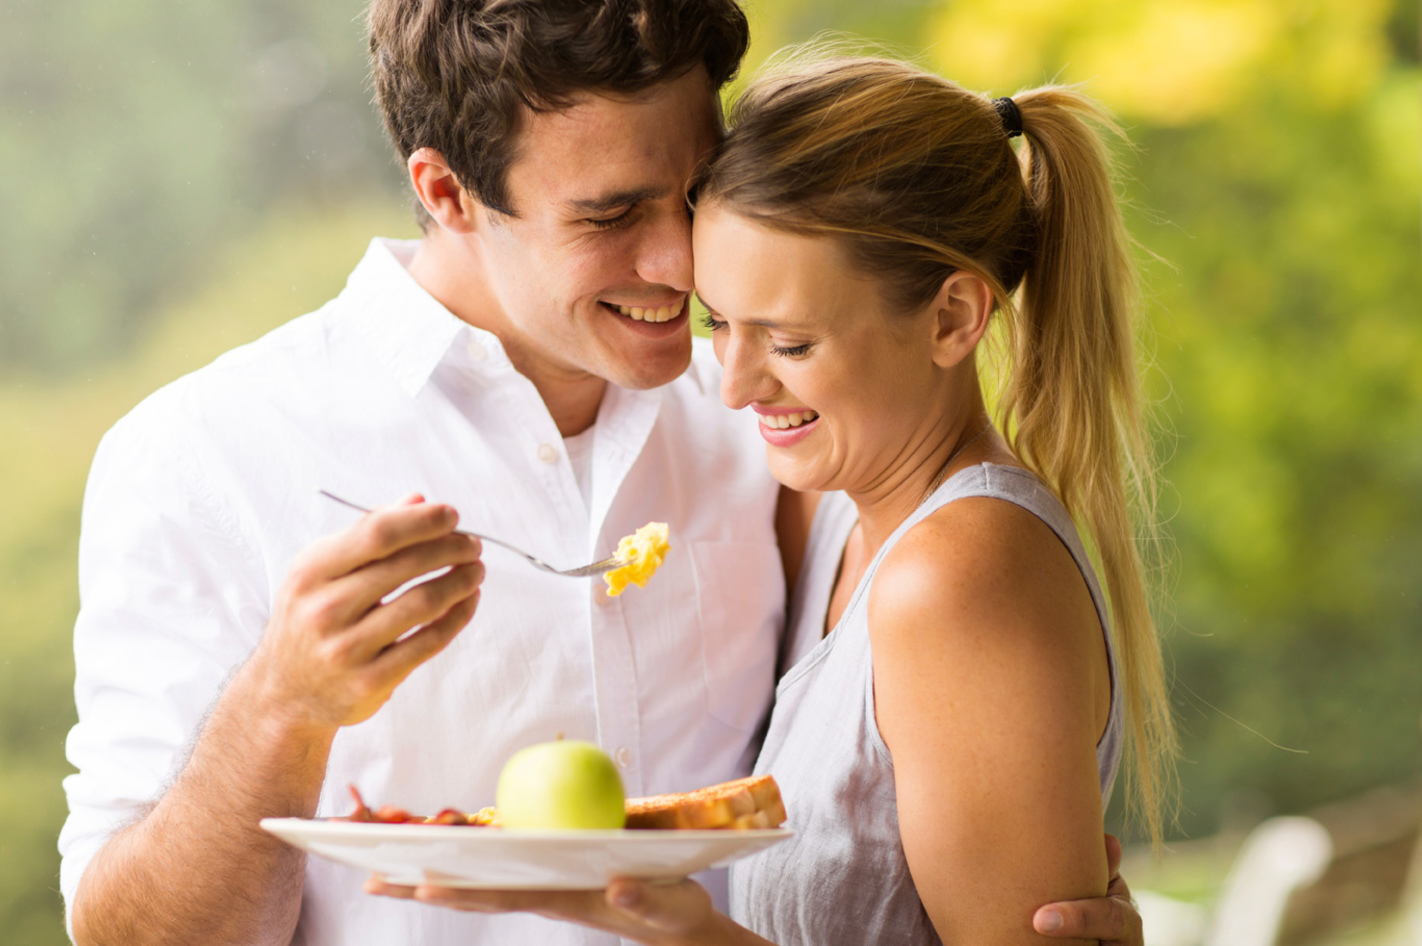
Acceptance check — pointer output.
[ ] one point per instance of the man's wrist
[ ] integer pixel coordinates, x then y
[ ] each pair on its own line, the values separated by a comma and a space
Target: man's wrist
284, 751
270, 710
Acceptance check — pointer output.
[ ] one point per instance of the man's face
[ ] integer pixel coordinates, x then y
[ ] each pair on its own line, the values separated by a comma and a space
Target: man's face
601, 235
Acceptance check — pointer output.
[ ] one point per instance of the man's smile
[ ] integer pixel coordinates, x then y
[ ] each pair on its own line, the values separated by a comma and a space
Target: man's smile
669, 312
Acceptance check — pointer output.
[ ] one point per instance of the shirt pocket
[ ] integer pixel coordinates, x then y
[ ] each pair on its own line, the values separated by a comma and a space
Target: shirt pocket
740, 592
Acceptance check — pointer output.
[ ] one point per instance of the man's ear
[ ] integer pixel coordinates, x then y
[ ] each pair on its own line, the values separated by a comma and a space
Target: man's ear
443, 197
962, 307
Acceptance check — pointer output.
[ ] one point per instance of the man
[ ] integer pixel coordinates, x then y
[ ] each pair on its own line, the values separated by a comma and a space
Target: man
528, 362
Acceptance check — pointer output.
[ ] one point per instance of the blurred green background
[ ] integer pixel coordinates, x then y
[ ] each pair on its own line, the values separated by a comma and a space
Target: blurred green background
178, 177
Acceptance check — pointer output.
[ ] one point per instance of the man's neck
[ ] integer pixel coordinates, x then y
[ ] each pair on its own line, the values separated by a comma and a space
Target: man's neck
572, 398
573, 404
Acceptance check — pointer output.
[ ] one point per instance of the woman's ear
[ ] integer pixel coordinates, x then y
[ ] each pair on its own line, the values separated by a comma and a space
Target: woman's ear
439, 190
963, 306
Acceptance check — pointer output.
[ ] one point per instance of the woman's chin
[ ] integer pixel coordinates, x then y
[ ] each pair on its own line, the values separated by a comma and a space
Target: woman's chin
797, 476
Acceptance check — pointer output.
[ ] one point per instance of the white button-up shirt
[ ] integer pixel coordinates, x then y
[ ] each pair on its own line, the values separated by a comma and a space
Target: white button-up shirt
200, 498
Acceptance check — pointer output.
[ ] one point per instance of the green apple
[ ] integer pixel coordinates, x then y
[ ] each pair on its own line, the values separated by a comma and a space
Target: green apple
563, 784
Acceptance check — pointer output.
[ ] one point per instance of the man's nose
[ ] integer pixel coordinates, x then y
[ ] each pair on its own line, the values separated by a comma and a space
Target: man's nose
664, 253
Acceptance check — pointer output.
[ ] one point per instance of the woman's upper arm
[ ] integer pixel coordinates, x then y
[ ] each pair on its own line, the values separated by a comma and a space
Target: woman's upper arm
989, 670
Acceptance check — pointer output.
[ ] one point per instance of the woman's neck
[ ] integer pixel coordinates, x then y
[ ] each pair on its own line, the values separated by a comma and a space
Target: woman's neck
885, 505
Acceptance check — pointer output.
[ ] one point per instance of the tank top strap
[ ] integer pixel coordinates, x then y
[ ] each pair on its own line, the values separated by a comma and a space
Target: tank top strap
834, 520
1013, 484
1022, 488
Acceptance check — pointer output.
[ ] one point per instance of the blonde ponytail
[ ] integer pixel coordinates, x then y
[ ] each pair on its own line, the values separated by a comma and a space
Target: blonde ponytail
1071, 403
916, 178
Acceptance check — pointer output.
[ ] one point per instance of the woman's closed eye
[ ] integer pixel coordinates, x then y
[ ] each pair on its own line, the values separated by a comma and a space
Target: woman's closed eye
714, 324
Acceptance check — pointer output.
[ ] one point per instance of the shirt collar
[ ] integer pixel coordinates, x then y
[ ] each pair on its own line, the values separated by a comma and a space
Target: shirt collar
402, 324
624, 423
694, 371
412, 333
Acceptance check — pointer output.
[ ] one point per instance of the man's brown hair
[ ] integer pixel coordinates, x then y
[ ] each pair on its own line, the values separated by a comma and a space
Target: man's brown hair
458, 75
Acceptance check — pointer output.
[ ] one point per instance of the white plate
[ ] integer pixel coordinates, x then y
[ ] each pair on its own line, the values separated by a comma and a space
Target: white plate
500, 858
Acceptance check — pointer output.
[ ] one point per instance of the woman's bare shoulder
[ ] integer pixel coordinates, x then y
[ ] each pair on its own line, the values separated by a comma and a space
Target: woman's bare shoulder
987, 575
989, 686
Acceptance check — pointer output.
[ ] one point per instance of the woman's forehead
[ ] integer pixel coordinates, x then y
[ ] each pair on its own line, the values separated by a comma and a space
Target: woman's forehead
753, 273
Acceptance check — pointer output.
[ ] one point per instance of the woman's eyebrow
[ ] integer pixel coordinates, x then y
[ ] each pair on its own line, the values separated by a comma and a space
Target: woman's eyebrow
611, 201
761, 323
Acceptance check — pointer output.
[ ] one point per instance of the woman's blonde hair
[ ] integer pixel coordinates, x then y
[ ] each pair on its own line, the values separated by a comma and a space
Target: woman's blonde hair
917, 178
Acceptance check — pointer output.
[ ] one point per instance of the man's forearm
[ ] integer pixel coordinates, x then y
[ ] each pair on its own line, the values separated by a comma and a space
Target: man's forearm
198, 868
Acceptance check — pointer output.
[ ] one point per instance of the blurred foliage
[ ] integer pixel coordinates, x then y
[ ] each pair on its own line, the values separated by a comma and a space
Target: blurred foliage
140, 136
178, 178
1278, 174
297, 261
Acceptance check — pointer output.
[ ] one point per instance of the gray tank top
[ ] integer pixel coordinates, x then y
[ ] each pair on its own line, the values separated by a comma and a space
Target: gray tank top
843, 878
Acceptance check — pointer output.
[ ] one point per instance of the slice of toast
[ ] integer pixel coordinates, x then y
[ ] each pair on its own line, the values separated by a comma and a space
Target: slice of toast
743, 804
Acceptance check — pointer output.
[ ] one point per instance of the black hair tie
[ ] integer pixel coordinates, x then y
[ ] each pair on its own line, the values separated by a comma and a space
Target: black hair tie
1011, 117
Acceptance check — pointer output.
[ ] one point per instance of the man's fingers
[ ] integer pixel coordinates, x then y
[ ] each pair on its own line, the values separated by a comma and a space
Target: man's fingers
583, 905
365, 587
378, 534
1113, 856
377, 886
1104, 918
1110, 919
626, 907
424, 603
671, 908
1118, 889
487, 901
401, 658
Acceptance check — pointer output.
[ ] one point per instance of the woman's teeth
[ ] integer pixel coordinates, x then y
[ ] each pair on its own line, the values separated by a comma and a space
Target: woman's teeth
782, 421
665, 314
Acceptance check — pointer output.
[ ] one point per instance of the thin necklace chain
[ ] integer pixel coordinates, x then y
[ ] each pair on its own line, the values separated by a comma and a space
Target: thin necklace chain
942, 473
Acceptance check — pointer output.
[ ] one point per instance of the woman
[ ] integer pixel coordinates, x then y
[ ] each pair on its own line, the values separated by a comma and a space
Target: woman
949, 734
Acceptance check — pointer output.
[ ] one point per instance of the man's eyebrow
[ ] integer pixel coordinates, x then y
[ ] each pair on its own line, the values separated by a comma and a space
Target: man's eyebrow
605, 202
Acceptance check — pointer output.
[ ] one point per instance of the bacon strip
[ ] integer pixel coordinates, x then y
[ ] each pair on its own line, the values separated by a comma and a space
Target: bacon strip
389, 814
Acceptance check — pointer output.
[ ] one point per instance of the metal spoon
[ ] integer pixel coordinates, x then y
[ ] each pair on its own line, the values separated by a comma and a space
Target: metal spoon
586, 571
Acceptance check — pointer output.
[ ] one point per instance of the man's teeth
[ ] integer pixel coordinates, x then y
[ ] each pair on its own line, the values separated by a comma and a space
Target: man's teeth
664, 314
782, 421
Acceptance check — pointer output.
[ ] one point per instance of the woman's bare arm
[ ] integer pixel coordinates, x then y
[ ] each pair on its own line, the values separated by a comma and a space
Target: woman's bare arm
991, 690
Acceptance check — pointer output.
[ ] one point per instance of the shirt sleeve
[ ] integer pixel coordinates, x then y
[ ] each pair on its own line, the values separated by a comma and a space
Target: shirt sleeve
171, 601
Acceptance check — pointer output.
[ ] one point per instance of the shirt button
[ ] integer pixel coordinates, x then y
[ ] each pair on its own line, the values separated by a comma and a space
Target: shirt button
624, 756
477, 352
547, 453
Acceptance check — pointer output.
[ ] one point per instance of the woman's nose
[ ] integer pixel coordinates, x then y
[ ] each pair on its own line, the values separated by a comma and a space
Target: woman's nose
743, 375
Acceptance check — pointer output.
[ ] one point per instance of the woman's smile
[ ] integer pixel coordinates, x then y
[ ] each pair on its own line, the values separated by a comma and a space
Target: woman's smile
784, 427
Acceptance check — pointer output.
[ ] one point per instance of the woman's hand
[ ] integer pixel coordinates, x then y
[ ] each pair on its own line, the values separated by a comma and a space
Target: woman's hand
677, 914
